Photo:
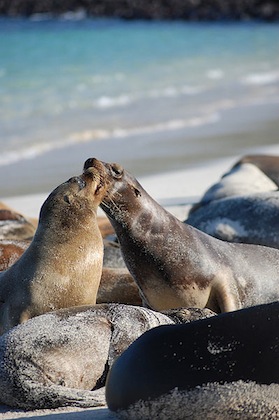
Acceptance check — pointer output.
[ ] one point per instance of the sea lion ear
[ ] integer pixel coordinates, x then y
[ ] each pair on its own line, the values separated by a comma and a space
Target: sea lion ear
67, 199
137, 192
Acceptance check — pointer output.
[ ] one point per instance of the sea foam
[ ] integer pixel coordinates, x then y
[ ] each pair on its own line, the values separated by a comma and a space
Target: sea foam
89, 135
261, 78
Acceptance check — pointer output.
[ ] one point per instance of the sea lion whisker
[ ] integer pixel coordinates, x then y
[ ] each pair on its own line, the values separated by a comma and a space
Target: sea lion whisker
111, 201
115, 205
118, 193
105, 204
199, 270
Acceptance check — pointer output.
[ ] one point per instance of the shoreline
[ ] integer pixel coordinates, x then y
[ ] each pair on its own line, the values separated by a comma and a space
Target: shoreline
237, 133
175, 190
167, 188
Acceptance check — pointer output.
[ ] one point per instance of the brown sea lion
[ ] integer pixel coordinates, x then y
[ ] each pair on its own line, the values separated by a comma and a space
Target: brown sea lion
62, 266
174, 264
10, 252
62, 358
14, 226
118, 286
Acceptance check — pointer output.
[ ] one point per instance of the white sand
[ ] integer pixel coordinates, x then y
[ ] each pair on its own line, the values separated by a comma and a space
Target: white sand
175, 191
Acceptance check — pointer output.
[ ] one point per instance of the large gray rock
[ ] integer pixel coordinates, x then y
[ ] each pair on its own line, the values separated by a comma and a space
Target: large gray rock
144, 9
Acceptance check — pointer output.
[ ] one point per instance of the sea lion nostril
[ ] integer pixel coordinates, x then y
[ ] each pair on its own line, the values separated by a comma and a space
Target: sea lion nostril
81, 183
89, 163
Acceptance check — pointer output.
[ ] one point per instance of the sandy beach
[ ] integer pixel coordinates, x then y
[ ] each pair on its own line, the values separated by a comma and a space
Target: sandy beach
172, 190
146, 156
176, 191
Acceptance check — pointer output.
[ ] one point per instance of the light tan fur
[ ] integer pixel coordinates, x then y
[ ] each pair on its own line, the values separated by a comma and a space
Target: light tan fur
62, 266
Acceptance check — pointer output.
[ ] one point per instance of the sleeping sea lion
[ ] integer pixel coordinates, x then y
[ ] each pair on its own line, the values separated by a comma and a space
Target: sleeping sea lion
62, 358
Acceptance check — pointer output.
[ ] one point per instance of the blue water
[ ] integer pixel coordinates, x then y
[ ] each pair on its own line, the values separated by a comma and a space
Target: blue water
67, 82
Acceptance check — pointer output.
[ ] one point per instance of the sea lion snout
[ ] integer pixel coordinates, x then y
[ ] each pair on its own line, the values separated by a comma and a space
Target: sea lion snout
93, 164
94, 169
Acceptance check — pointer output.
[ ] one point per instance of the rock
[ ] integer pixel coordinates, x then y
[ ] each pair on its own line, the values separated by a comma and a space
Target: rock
144, 9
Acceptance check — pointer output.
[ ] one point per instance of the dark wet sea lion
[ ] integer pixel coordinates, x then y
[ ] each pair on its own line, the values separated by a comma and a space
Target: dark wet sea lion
236, 346
58, 358
62, 266
174, 264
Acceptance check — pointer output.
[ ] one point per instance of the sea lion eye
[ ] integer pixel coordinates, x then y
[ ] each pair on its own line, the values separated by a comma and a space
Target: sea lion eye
137, 192
116, 170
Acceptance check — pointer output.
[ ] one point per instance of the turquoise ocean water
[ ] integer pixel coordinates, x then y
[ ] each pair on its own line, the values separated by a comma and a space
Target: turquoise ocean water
131, 91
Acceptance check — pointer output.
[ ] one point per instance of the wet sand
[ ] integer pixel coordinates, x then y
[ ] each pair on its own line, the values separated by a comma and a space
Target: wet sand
240, 131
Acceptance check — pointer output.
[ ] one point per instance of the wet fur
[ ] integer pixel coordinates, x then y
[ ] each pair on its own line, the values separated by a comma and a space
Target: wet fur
176, 265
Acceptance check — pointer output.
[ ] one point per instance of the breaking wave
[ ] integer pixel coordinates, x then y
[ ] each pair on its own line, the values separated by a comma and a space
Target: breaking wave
87, 136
